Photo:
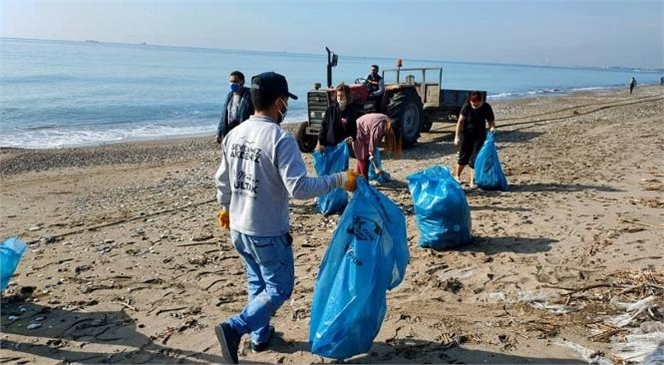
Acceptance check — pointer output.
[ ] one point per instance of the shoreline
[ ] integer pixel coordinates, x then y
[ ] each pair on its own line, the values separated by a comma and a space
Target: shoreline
515, 97
14, 160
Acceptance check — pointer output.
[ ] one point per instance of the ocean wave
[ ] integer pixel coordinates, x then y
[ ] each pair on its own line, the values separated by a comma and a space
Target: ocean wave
545, 91
57, 136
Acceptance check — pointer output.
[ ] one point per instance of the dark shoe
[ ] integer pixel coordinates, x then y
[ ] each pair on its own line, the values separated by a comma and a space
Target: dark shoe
260, 347
229, 341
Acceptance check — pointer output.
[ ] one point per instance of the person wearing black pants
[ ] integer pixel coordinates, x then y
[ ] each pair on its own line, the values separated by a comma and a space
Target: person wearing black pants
471, 132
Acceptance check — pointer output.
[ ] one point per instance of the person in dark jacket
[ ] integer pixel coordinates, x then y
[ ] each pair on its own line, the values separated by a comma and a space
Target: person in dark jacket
339, 121
237, 106
375, 83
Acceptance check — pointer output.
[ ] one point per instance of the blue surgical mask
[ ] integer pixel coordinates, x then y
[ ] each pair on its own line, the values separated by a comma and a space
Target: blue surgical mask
235, 87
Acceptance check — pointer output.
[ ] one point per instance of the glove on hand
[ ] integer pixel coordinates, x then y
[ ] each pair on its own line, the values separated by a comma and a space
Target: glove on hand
224, 219
346, 180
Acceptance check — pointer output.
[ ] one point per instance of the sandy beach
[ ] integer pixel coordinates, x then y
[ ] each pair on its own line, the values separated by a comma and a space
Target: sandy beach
126, 263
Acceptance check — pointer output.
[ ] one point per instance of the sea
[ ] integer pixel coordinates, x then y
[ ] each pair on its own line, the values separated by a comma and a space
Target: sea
78, 93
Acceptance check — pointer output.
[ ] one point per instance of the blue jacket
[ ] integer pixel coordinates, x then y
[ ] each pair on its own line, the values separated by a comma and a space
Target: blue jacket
246, 109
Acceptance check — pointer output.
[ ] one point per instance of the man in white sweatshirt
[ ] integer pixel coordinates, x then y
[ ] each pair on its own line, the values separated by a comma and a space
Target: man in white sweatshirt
261, 167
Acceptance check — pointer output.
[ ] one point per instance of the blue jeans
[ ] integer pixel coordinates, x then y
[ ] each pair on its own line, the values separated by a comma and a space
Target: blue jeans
270, 281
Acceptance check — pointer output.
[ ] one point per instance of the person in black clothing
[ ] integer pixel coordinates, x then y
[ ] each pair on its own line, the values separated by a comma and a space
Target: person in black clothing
632, 85
471, 132
339, 121
375, 84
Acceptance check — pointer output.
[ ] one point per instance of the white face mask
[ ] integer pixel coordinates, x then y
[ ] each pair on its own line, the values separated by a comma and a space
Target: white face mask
282, 115
342, 103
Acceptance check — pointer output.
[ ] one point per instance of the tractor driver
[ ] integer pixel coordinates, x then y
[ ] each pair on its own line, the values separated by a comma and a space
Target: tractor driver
374, 83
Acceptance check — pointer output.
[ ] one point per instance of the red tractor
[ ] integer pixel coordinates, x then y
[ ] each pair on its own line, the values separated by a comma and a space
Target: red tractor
412, 105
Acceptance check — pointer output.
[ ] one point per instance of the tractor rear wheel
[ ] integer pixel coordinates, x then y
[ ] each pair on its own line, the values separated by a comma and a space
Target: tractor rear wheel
405, 111
306, 142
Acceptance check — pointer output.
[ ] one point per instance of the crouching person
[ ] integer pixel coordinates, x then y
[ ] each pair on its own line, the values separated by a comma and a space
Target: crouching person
261, 167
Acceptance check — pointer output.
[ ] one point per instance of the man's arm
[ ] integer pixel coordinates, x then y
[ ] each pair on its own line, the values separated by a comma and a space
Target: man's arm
293, 172
491, 118
223, 120
223, 182
381, 87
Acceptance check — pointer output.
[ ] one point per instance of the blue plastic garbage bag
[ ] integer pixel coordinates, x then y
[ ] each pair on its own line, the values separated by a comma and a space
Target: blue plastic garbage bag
382, 178
367, 256
488, 173
441, 209
11, 251
333, 159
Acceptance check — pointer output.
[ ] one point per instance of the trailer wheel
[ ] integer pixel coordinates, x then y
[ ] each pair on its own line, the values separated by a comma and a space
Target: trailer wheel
405, 111
306, 142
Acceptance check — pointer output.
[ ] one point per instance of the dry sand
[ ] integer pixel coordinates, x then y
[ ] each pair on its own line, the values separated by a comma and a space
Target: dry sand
127, 265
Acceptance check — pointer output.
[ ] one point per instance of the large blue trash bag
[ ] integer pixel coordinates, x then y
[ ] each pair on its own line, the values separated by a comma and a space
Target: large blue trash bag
367, 256
382, 178
488, 173
441, 209
333, 159
11, 251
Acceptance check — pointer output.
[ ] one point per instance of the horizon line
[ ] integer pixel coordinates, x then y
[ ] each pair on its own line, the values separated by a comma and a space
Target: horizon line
598, 68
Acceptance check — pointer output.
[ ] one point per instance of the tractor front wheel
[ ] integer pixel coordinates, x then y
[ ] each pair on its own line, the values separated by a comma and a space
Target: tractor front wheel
306, 142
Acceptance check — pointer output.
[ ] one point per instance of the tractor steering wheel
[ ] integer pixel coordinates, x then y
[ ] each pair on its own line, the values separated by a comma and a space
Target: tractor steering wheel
360, 80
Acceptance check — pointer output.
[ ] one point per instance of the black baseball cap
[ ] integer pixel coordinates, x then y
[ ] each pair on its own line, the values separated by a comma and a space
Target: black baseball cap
271, 83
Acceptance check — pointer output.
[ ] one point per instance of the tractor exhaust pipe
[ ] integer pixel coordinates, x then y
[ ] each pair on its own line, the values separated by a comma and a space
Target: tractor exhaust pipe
332, 60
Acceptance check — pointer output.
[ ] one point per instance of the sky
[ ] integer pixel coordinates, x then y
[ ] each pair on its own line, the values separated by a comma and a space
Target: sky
628, 33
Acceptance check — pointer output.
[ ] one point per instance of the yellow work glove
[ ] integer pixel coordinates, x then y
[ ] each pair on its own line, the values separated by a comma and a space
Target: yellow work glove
350, 185
224, 219
346, 180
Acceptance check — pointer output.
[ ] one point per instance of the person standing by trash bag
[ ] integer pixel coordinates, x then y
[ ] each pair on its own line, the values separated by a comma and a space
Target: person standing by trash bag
371, 128
261, 167
471, 132
339, 121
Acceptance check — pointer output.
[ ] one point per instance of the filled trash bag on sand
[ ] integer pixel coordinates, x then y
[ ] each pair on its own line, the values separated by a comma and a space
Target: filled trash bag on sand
441, 209
367, 256
333, 159
11, 251
382, 178
488, 173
